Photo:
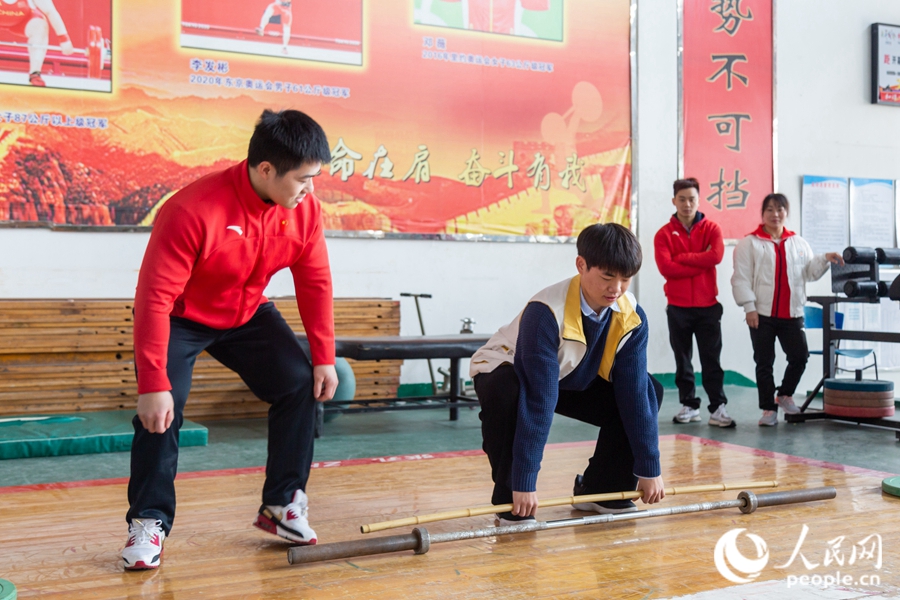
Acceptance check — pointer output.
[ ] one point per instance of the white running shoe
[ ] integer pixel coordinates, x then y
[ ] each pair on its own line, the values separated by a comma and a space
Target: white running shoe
144, 547
289, 522
769, 418
687, 415
720, 418
787, 405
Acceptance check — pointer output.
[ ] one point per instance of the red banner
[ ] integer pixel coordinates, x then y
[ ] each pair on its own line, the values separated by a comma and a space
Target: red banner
727, 101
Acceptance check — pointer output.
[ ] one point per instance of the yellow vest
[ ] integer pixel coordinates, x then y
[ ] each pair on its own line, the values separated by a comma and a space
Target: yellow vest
564, 299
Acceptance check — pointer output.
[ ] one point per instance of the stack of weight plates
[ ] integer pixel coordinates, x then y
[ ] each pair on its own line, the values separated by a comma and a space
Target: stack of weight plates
869, 398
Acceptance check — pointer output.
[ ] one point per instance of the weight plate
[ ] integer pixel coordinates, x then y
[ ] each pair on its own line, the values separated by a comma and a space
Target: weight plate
866, 385
891, 485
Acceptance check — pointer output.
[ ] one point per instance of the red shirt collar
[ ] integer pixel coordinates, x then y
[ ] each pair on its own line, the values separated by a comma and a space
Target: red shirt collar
761, 233
247, 195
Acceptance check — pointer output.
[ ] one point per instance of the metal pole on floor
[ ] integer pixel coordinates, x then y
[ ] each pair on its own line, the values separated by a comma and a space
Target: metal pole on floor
420, 541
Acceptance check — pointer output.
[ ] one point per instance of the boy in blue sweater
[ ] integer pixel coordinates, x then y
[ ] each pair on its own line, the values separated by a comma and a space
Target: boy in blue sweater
579, 349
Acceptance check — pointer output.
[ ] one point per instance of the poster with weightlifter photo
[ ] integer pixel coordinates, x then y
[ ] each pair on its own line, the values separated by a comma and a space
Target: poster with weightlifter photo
49, 44
319, 30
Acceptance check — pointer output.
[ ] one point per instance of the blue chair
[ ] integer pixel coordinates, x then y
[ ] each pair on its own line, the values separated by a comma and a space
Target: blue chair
813, 319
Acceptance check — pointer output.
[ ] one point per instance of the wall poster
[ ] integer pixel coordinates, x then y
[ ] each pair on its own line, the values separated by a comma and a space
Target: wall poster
491, 117
885, 64
825, 213
871, 200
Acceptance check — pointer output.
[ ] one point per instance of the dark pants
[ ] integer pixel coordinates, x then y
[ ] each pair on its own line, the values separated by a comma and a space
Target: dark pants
610, 469
267, 356
706, 325
790, 333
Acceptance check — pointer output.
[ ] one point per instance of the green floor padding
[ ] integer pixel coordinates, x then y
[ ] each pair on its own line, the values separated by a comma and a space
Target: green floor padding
28, 436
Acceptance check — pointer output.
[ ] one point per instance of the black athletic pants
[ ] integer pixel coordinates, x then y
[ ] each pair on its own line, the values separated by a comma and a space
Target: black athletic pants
790, 333
266, 354
610, 469
706, 324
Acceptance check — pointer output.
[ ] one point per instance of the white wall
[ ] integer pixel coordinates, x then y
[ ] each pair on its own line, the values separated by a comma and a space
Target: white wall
826, 126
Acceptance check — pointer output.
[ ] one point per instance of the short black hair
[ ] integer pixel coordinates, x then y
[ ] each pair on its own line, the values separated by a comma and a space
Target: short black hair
611, 247
779, 199
287, 139
683, 184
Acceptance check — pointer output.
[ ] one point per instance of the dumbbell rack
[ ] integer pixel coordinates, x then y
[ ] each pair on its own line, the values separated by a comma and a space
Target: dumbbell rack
830, 336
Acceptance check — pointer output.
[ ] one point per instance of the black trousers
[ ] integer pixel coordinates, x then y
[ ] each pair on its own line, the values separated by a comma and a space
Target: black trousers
790, 333
706, 325
610, 469
267, 356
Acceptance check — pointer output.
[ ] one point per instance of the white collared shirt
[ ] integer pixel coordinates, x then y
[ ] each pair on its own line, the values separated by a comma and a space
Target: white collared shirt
587, 311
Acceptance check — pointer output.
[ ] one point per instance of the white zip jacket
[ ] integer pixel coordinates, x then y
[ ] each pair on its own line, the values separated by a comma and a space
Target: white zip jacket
753, 282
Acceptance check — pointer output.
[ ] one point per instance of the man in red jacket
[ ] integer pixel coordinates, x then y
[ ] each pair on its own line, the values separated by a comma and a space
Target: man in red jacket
215, 245
688, 248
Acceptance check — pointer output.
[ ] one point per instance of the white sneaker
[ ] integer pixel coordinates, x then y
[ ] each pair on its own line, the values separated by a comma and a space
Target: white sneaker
289, 522
769, 418
687, 415
144, 547
787, 405
720, 418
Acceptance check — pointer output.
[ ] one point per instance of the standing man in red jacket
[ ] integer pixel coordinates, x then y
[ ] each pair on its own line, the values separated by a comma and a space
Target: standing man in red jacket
688, 248
215, 245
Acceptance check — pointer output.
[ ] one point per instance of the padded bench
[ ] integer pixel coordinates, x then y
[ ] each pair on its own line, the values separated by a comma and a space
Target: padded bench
399, 347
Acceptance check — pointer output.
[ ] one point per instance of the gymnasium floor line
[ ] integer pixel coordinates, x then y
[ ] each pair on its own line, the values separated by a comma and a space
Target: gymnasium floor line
455, 454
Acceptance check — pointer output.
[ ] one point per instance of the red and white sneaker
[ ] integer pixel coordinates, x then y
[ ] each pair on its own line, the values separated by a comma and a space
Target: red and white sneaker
145, 545
36, 80
289, 522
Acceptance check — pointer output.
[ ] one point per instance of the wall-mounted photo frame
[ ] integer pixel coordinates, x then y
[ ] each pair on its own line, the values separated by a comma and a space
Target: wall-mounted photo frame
885, 64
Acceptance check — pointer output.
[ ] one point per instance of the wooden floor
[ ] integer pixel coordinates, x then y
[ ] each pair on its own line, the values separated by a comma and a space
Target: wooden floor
65, 542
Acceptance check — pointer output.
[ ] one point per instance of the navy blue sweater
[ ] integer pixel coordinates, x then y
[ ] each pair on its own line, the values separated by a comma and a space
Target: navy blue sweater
537, 366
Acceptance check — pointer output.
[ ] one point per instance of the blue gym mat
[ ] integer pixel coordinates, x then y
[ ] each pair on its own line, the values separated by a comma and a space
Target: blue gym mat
28, 436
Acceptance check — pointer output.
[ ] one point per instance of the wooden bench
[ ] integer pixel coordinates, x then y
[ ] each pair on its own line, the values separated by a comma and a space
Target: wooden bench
64, 356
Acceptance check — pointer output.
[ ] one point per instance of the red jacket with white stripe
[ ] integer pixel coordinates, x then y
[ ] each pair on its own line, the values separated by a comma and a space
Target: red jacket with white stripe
214, 247
688, 261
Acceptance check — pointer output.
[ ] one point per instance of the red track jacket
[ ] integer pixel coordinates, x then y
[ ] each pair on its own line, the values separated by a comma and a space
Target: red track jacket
683, 259
214, 247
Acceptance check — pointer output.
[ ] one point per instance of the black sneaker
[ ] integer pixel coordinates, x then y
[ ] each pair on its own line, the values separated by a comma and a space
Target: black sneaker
507, 518
608, 507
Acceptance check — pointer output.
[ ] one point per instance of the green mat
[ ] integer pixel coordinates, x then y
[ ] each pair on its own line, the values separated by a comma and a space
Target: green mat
29, 436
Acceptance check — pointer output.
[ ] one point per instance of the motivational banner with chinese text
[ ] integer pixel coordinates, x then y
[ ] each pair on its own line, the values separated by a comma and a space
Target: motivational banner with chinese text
727, 102
494, 117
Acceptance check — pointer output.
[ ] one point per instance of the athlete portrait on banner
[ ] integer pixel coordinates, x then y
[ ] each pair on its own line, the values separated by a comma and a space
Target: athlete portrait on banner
56, 44
319, 30
542, 19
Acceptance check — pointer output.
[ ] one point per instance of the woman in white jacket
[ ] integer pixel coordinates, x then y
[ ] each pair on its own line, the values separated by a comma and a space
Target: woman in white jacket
771, 268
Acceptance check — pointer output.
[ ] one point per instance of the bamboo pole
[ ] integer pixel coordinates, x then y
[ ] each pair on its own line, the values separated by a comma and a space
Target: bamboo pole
499, 508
